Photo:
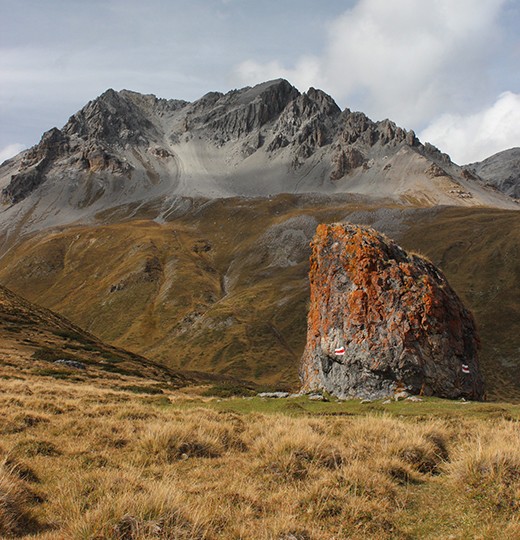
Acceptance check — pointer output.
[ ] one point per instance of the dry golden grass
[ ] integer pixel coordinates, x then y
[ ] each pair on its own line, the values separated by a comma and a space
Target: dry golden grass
80, 461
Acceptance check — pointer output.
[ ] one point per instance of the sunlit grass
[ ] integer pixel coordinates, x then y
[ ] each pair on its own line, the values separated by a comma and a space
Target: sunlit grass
88, 461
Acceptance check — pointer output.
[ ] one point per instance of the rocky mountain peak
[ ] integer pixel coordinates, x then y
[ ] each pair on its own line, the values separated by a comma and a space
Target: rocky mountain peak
260, 140
112, 118
206, 101
239, 112
307, 123
276, 93
151, 104
36, 161
324, 102
382, 320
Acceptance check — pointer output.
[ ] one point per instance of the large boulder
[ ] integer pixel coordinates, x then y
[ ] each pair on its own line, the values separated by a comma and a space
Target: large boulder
382, 320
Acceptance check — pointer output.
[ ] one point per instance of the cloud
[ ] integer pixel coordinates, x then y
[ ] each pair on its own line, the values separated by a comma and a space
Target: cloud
477, 136
404, 59
10, 150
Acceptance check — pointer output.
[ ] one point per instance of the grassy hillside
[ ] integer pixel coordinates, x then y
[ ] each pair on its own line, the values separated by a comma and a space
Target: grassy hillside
127, 450
35, 343
223, 286
85, 461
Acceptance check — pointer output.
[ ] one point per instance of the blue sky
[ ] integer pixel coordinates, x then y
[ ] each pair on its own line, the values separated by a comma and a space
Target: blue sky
446, 68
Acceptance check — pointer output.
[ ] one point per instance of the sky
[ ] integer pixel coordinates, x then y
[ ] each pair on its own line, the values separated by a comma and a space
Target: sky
448, 69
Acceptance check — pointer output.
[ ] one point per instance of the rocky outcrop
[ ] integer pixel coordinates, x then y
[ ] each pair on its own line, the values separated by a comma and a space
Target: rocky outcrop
237, 113
345, 161
307, 123
34, 166
113, 118
382, 320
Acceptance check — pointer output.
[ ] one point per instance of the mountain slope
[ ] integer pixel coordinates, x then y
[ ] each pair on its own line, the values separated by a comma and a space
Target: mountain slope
501, 170
37, 341
180, 230
223, 287
125, 148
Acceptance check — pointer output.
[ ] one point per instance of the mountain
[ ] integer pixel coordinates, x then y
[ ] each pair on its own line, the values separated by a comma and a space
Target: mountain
129, 148
501, 171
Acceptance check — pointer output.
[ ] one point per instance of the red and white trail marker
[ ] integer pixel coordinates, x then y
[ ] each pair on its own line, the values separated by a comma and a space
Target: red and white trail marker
465, 368
340, 351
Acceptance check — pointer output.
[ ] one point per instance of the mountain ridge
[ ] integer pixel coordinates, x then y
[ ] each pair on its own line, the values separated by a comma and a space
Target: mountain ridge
125, 147
32, 336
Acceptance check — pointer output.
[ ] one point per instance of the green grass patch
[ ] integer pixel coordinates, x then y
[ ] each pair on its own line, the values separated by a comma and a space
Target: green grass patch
55, 373
69, 334
121, 371
157, 401
51, 355
113, 359
429, 407
81, 347
11, 377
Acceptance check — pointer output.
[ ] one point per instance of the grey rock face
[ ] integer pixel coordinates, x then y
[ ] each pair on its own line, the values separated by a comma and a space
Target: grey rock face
113, 118
274, 395
71, 364
242, 112
37, 161
501, 170
129, 134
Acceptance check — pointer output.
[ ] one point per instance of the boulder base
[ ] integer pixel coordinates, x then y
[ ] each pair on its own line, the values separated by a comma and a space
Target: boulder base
382, 320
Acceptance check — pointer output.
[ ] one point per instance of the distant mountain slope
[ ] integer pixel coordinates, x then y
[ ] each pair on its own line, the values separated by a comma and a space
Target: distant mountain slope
222, 286
124, 147
501, 170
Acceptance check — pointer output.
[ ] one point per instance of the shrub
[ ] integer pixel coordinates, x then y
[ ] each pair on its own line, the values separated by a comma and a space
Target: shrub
142, 389
489, 471
198, 434
50, 355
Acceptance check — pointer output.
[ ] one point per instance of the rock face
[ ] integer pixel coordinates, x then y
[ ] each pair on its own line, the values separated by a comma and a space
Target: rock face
382, 320
501, 170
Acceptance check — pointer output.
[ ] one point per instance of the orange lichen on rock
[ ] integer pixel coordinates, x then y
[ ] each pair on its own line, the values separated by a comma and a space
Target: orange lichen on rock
400, 322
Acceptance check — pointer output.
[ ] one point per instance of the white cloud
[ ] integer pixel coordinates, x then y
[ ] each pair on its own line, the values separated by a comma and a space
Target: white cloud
404, 59
10, 150
477, 136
